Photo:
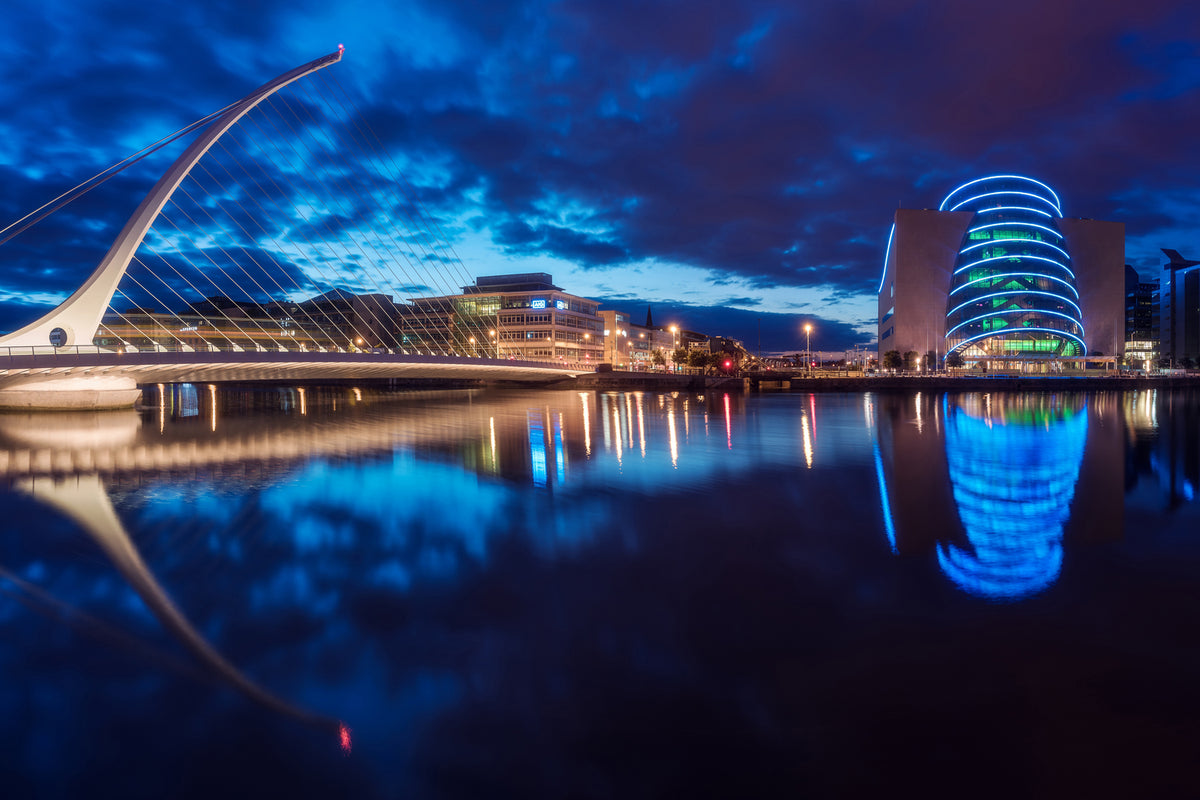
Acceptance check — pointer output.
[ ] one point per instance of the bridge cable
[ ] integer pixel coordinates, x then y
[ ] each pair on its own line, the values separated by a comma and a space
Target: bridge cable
249, 295
388, 256
101, 177
339, 92
369, 302
419, 223
301, 306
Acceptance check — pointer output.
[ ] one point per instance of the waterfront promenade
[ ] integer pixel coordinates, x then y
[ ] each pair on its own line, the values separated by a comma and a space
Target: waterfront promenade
880, 383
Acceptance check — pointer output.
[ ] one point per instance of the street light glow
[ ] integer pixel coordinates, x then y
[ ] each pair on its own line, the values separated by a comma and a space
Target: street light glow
808, 346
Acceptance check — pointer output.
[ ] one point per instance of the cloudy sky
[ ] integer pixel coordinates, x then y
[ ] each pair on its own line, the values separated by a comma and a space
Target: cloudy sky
731, 165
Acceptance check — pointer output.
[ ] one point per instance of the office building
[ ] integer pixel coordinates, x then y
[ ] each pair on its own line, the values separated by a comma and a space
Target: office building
519, 316
1141, 320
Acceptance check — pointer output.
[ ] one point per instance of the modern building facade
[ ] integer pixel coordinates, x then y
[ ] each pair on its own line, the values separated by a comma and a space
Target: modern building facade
518, 316
1180, 307
617, 345
1141, 320
998, 276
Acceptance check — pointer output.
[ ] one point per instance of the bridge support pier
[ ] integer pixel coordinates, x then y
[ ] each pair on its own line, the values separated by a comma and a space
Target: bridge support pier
73, 393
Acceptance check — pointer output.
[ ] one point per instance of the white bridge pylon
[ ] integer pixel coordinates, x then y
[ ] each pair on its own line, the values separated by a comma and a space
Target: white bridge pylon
76, 320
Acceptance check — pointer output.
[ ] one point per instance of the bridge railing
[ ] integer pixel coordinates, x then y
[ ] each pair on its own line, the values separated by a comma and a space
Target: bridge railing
72, 351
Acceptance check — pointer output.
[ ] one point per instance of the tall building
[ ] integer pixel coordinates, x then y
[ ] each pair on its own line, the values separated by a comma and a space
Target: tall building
1141, 320
999, 276
617, 347
1180, 305
519, 316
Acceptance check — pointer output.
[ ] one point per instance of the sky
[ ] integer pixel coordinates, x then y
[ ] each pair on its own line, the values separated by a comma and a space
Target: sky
731, 167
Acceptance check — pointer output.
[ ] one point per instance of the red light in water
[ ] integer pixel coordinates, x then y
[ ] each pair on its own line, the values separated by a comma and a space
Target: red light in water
344, 737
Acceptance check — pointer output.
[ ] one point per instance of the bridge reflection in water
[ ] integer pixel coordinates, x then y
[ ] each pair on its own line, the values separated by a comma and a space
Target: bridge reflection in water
72, 461
988, 482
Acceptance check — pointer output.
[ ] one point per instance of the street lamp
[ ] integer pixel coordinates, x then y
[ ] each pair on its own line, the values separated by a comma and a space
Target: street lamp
674, 345
808, 346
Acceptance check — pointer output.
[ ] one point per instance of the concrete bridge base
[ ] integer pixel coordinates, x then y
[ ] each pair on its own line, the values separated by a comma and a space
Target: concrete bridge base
69, 393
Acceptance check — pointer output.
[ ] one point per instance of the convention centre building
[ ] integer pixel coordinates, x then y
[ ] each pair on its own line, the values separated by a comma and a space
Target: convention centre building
998, 276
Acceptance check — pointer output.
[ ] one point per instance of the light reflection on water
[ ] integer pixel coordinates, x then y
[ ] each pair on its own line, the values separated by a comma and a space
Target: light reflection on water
1013, 464
331, 553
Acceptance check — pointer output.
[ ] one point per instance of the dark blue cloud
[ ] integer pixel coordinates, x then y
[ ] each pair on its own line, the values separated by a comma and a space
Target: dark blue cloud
767, 143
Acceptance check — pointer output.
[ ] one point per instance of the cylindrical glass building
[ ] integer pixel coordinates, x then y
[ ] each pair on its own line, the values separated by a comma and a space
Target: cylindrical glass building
1013, 294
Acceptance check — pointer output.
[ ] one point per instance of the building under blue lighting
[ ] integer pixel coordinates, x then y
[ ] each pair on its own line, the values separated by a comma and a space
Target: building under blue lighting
999, 276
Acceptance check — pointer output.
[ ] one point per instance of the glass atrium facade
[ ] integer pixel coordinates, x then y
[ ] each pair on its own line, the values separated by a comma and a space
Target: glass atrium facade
1013, 295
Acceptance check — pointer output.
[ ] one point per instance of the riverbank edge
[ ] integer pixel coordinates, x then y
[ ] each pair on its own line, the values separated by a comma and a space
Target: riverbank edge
648, 381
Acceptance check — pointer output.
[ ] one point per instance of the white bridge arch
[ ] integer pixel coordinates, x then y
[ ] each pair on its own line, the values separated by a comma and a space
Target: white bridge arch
77, 318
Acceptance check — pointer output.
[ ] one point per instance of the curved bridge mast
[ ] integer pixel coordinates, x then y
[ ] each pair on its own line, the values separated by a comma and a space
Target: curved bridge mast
79, 316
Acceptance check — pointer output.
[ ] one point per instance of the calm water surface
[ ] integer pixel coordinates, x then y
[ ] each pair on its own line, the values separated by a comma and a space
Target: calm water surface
333, 592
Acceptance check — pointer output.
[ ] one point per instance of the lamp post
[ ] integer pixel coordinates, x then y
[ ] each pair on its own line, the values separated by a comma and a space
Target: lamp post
808, 346
674, 346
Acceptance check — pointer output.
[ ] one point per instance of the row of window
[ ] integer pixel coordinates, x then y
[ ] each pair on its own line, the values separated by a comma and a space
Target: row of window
561, 320
549, 302
1002, 233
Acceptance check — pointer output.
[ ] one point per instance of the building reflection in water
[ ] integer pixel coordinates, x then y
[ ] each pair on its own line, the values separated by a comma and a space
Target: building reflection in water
988, 481
1013, 462
1163, 446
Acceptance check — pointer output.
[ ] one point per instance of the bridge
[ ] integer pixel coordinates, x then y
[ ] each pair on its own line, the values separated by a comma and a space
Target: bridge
258, 255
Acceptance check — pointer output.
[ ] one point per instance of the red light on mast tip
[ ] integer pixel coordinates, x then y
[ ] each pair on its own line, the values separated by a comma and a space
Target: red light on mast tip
344, 737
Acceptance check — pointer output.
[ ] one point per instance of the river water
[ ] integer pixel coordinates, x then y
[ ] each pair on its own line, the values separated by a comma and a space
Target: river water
342, 592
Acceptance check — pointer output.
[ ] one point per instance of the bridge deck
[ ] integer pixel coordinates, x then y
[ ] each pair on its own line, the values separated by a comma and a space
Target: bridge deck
198, 367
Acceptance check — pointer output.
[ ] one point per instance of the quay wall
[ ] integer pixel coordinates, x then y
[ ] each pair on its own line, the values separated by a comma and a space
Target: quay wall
649, 381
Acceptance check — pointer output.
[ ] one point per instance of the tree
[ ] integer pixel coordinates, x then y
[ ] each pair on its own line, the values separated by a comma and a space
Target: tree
658, 359
679, 356
910, 359
954, 359
893, 360
698, 359
930, 360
